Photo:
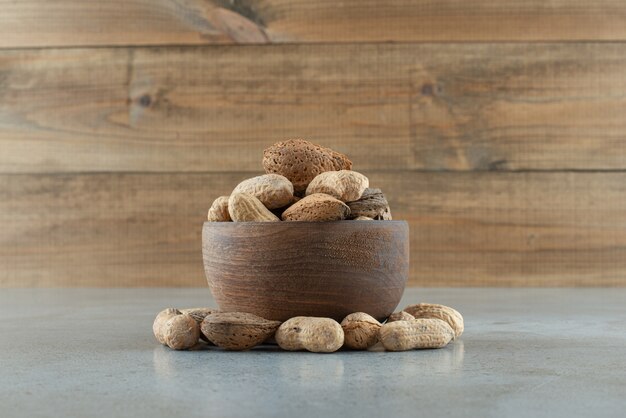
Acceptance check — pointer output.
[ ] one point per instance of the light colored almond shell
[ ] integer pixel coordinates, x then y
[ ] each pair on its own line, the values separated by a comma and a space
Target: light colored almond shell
360, 331
219, 210
445, 313
273, 190
317, 208
199, 314
363, 218
345, 185
237, 330
300, 161
418, 333
181, 332
159, 322
245, 208
400, 316
318, 335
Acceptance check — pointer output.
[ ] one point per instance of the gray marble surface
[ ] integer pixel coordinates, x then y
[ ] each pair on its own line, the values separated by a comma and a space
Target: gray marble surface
525, 352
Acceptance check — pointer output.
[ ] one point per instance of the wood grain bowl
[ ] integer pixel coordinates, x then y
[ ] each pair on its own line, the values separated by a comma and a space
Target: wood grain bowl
279, 270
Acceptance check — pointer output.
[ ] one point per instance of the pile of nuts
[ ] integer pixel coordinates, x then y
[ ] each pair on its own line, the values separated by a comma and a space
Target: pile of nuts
423, 325
304, 182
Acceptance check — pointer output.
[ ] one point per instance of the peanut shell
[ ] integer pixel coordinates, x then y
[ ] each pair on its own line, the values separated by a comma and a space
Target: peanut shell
345, 185
400, 316
279, 211
445, 313
245, 208
318, 335
273, 190
219, 210
418, 333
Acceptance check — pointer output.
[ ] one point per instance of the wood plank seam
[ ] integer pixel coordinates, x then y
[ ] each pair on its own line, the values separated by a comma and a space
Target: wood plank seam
170, 22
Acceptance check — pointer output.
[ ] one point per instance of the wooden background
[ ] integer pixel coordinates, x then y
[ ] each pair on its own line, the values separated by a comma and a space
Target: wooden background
497, 128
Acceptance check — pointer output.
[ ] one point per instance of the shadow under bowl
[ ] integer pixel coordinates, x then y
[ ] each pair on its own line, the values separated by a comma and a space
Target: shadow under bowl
279, 270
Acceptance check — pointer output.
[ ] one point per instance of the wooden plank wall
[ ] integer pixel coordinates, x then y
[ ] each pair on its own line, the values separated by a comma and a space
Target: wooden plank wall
496, 128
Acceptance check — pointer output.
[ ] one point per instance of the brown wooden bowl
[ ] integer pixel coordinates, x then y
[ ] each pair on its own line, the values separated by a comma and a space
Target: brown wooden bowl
279, 270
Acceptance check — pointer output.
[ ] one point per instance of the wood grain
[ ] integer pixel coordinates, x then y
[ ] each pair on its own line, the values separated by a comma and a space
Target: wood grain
389, 107
39, 23
279, 270
513, 229
466, 229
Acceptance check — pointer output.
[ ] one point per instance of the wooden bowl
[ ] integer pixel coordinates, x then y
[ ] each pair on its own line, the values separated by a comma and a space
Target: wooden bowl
279, 270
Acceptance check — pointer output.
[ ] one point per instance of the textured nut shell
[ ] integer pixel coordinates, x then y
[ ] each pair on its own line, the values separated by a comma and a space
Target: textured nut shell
418, 333
317, 208
273, 190
159, 322
237, 330
360, 331
279, 211
300, 161
345, 185
445, 313
199, 314
318, 335
181, 332
372, 204
400, 316
219, 210
245, 208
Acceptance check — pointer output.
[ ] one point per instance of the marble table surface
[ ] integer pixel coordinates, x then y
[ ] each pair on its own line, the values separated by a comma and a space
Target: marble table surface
524, 353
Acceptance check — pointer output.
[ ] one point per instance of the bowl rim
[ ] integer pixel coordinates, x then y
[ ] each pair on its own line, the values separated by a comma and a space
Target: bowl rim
296, 223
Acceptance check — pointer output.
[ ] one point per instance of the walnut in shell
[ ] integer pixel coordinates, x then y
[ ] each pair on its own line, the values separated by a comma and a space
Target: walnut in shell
372, 204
